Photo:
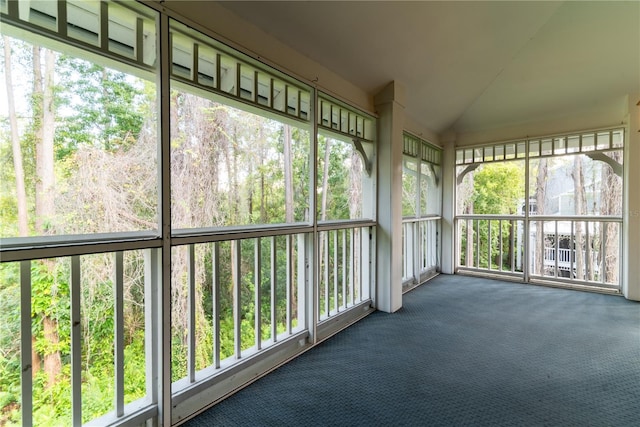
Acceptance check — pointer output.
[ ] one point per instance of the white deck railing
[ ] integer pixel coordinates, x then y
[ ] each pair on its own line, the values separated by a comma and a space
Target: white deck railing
237, 299
420, 249
574, 250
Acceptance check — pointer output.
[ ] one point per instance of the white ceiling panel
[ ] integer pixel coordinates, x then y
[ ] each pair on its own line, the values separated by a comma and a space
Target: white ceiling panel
468, 65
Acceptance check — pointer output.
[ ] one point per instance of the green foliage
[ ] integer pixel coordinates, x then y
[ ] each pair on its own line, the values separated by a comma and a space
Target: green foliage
409, 190
498, 188
108, 113
103, 117
52, 405
338, 181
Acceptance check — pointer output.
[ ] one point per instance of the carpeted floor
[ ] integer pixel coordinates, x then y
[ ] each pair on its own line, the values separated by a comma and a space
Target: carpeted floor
461, 352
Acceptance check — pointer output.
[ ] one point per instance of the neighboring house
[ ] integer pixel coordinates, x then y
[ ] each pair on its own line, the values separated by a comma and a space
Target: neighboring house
560, 237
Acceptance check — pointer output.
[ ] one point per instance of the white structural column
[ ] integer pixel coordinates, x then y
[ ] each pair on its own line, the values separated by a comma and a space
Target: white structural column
390, 107
448, 260
631, 273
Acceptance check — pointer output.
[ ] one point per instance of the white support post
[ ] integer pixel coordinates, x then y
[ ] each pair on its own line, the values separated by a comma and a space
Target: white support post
164, 315
631, 219
448, 261
390, 106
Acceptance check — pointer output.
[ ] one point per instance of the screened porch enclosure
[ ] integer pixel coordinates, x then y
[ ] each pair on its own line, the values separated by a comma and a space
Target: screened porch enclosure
197, 220
560, 219
179, 217
421, 211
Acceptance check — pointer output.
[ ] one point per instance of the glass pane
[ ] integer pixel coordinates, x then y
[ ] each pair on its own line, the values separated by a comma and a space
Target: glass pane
51, 341
573, 144
493, 188
10, 361
264, 89
577, 185
181, 56
488, 154
588, 142
305, 104
123, 30
342, 181
83, 21
609, 251
247, 78
430, 191
409, 187
618, 139
603, 140
534, 148
468, 156
41, 13
559, 146
459, 157
230, 167
228, 74
207, 66
279, 101
510, 150
97, 313
134, 296
477, 155
90, 165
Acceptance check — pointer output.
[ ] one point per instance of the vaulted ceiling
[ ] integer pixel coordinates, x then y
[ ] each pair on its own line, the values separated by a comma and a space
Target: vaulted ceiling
469, 65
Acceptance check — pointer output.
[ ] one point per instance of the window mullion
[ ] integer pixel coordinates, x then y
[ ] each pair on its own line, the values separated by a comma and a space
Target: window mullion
164, 312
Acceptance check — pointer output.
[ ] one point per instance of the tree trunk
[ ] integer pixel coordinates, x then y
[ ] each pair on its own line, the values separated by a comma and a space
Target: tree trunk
323, 204
44, 119
541, 190
52, 360
288, 211
18, 166
45, 130
36, 360
580, 204
611, 194
355, 185
288, 176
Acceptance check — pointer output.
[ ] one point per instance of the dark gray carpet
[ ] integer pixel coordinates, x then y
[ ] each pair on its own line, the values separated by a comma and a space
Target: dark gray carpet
462, 351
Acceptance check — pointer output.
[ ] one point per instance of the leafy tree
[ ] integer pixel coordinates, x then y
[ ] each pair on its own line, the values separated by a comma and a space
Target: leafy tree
498, 188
